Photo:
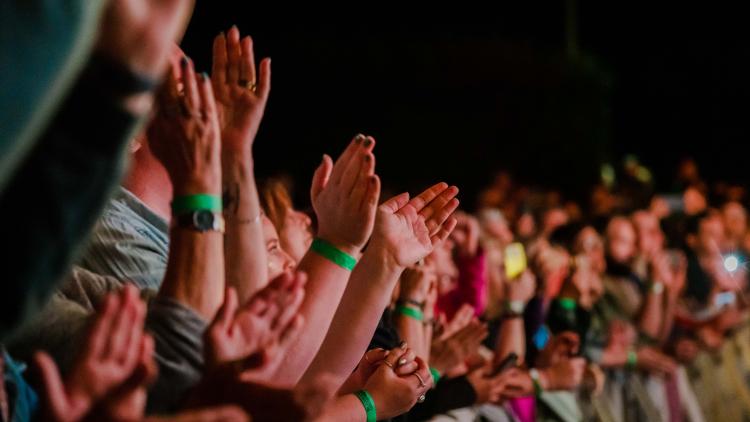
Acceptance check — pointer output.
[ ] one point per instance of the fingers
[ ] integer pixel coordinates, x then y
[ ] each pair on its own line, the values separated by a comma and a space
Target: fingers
120, 328
132, 346
405, 364
293, 300
424, 372
342, 163
364, 179
372, 197
225, 315
264, 83
396, 203
444, 231
394, 356
207, 99
247, 60
427, 196
219, 64
97, 338
52, 385
321, 177
374, 356
292, 332
437, 211
234, 54
192, 96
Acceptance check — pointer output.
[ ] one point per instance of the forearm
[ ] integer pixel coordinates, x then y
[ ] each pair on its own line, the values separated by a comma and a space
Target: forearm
195, 270
650, 322
325, 286
356, 318
412, 332
512, 339
670, 309
244, 249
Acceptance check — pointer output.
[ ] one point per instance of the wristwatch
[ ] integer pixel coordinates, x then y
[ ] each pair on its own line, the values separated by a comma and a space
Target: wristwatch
201, 221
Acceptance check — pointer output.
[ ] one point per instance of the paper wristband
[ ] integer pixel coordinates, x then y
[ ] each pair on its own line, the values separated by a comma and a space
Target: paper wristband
410, 312
567, 303
198, 202
435, 375
333, 254
368, 404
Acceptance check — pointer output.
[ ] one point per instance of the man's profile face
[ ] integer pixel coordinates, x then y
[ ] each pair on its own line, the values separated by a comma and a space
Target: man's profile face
621, 240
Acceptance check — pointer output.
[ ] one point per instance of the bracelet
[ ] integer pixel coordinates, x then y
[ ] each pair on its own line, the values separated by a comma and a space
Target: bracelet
567, 303
435, 375
333, 254
368, 404
412, 302
410, 312
632, 360
198, 202
534, 374
657, 288
515, 307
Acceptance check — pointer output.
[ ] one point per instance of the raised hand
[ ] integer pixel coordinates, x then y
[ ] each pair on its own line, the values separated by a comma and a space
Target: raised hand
108, 358
447, 353
415, 283
407, 231
461, 319
241, 95
260, 331
345, 196
185, 135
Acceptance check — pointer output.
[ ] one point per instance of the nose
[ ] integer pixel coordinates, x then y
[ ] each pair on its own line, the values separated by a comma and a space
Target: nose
289, 263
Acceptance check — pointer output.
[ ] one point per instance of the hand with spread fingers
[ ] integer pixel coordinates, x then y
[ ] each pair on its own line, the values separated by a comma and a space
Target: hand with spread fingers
115, 348
407, 230
241, 92
255, 336
447, 353
184, 135
345, 195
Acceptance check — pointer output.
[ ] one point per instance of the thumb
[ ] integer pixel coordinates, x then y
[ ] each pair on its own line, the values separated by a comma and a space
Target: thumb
321, 176
53, 388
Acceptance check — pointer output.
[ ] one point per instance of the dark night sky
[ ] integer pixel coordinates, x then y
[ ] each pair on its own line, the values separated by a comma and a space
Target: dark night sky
458, 95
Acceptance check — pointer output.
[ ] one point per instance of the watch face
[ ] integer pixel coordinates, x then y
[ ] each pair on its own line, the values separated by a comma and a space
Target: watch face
204, 220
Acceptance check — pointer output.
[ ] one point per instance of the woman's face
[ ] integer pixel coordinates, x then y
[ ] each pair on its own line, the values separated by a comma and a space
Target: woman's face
441, 260
278, 260
296, 234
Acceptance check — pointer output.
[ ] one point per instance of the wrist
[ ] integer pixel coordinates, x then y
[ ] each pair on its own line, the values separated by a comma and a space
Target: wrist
348, 248
205, 185
369, 405
381, 253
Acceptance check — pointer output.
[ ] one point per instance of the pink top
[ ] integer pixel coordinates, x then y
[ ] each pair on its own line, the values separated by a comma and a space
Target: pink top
471, 288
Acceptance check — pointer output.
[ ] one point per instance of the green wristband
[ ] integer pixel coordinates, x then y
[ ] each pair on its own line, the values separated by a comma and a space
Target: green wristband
632, 359
567, 303
368, 404
198, 202
435, 375
333, 254
410, 312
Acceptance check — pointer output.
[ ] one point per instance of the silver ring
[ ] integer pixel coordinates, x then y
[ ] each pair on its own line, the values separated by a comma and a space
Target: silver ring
421, 381
421, 399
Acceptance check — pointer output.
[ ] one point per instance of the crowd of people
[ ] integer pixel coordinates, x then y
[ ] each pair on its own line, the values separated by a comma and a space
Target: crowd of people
151, 277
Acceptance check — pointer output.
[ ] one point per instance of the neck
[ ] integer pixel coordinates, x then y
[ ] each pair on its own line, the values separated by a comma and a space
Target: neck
148, 180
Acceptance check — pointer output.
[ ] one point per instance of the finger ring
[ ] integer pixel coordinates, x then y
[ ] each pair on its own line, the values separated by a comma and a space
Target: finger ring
390, 365
421, 381
247, 84
421, 399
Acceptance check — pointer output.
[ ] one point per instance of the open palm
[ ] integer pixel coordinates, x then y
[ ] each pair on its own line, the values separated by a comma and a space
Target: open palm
408, 230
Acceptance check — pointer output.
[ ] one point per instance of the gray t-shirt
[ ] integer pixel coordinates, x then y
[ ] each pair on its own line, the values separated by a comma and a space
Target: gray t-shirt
130, 243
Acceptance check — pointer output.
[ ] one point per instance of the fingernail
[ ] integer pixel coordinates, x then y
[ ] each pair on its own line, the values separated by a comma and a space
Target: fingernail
359, 138
368, 142
387, 352
402, 345
184, 61
235, 27
223, 34
402, 361
204, 75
